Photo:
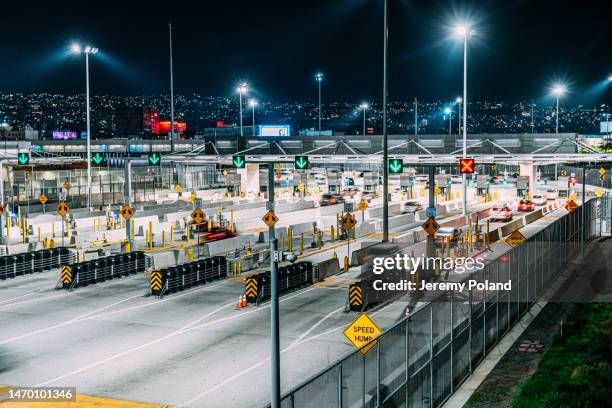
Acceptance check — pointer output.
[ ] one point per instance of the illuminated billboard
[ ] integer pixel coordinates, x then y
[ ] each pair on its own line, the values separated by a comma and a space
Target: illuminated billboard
274, 130
64, 135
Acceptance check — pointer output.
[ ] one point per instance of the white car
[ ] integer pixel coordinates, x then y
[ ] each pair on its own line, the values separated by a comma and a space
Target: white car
552, 194
539, 199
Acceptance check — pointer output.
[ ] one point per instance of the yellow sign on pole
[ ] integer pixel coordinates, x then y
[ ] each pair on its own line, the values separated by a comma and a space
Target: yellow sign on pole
349, 221
431, 226
602, 171
515, 239
178, 188
67, 185
361, 332
599, 192
62, 209
301, 187
126, 211
198, 215
224, 173
570, 205
270, 219
42, 198
192, 197
1, 210
362, 205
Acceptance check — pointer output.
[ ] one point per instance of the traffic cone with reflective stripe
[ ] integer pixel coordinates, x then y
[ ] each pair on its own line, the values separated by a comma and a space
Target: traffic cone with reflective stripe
244, 301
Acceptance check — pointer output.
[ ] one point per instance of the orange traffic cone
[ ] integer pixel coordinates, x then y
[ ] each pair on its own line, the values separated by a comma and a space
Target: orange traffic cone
244, 301
239, 304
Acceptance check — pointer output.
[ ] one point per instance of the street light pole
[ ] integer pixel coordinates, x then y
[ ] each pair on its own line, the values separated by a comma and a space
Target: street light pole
89, 201
274, 313
364, 107
319, 79
557, 116
416, 117
385, 136
253, 103
241, 132
171, 91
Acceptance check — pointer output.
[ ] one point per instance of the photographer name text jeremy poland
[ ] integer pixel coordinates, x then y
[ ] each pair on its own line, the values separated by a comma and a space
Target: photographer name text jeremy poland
404, 285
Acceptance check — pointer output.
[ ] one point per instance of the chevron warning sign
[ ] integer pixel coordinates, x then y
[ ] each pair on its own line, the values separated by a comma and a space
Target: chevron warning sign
66, 275
156, 281
251, 287
355, 297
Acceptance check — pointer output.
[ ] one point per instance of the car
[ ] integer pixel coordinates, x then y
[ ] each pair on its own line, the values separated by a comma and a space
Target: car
410, 207
552, 194
538, 199
501, 213
526, 205
350, 191
330, 199
368, 196
447, 233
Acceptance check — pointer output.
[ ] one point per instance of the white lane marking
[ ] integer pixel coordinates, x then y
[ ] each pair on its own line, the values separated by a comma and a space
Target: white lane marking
67, 293
159, 340
317, 324
76, 319
21, 296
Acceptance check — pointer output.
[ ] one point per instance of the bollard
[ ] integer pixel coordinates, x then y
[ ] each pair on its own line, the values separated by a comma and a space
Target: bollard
52, 243
128, 248
172, 233
78, 254
190, 254
249, 250
290, 239
46, 243
301, 243
104, 237
19, 216
39, 235
132, 230
239, 268
163, 238
53, 229
346, 264
331, 233
448, 246
188, 233
232, 220
209, 224
334, 255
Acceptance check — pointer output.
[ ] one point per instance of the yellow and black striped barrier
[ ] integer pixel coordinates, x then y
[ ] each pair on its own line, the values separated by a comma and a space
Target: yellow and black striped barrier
156, 283
66, 276
251, 287
355, 297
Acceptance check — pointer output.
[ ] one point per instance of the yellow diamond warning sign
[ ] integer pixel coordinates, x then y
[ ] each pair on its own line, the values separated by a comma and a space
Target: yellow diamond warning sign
431, 226
349, 221
301, 187
361, 332
570, 205
198, 215
192, 197
178, 188
62, 209
270, 219
126, 211
42, 198
1, 210
515, 239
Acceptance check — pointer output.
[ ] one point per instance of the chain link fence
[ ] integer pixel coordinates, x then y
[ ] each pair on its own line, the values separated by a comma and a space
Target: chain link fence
421, 360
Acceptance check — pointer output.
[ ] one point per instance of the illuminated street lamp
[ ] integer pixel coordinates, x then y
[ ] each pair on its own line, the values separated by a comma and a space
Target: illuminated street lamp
88, 50
558, 90
319, 78
464, 32
242, 89
364, 106
448, 112
459, 101
253, 104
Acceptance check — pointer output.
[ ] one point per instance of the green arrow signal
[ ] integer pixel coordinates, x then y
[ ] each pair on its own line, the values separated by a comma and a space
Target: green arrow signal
97, 158
23, 158
301, 162
154, 159
396, 166
238, 162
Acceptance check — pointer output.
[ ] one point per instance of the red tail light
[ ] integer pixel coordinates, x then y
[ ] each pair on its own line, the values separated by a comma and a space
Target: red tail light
332, 200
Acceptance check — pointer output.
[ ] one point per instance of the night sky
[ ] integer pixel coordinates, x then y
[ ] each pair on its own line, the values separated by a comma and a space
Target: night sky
520, 48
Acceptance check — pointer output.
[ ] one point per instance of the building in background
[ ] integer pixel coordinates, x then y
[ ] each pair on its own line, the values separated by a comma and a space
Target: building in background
8, 133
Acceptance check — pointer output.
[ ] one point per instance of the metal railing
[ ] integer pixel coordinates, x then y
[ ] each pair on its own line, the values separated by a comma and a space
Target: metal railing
424, 358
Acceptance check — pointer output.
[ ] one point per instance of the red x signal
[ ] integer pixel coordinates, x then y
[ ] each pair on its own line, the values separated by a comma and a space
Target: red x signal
466, 166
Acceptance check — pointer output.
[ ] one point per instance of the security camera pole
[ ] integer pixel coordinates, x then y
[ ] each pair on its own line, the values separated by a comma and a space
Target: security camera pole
274, 314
